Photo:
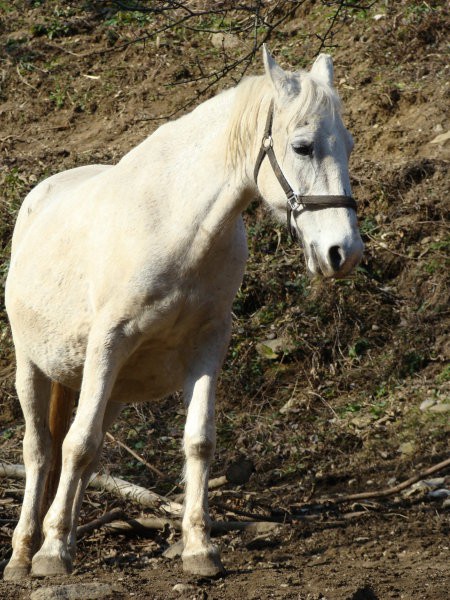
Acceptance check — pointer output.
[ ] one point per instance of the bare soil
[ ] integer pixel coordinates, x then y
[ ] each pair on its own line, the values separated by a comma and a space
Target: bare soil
340, 408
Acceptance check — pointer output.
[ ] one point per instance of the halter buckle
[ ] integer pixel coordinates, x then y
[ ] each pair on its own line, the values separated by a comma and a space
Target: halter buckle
267, 142
292, 200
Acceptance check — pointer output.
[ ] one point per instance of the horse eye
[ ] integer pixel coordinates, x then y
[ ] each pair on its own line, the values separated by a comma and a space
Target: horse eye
304, 149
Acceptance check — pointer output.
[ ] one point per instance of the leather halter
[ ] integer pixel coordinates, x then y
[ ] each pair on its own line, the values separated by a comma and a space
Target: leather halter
294, 201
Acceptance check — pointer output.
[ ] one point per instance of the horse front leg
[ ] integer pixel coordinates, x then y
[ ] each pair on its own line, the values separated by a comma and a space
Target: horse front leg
111, 413
105, 351
200, 557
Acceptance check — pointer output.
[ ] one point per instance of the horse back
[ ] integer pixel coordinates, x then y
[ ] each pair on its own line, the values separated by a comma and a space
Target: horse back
48, 192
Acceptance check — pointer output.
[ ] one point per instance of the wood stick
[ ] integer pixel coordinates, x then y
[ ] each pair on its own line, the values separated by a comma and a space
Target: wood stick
387, 491
119, 487
136, 455
149, 499
136, 493
213, 484
112, 515
217, 482
153, 523
12, 471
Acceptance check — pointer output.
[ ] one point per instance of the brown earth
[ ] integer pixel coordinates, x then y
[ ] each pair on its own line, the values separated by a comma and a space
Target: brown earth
339, 409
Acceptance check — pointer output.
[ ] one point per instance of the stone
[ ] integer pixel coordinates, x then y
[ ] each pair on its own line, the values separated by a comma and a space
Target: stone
442, 138
442, 493
240, 471
361, 422
183, 588
174, 551
426, 404
441, 407
407, 448
273, 349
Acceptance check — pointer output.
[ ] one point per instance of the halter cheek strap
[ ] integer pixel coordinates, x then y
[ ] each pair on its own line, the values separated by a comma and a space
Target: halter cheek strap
294, 201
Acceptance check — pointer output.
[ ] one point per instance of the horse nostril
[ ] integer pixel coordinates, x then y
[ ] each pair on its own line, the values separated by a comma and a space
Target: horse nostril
336, 257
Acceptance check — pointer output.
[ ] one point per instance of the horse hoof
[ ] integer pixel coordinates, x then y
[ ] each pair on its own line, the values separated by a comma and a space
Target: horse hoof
15, 570
50, 566
203, 564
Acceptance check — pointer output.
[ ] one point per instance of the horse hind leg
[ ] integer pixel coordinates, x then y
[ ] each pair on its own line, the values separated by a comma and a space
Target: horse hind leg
33, 390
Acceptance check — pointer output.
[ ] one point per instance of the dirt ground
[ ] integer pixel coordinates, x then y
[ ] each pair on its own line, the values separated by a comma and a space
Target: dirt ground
356, 398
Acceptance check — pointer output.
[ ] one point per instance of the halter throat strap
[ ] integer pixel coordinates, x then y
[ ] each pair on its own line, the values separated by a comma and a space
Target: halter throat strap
294, 201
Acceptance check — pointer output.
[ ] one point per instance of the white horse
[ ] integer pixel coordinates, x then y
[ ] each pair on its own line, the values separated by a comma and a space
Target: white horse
122, 280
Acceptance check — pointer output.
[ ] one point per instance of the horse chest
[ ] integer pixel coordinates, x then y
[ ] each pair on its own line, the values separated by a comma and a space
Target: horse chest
160, 363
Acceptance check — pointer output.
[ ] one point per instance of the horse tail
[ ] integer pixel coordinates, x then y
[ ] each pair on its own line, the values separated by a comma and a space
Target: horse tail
62, 401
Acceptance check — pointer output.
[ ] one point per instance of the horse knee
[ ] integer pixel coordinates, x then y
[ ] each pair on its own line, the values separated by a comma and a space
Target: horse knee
201, 447
80, 448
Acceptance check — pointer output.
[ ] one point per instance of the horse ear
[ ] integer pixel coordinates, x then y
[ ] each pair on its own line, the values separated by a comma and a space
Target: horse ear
275, 73
323, 68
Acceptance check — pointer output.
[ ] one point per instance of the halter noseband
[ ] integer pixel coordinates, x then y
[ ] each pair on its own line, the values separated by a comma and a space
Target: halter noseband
294, 201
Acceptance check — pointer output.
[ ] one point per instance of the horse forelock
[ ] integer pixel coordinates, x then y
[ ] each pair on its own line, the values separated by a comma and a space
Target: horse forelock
316, 98
251, 103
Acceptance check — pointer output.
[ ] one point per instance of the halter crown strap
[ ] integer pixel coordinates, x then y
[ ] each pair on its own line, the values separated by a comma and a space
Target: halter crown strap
294, 201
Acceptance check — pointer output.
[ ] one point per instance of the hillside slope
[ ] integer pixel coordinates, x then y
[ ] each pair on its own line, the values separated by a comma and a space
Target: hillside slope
356, 394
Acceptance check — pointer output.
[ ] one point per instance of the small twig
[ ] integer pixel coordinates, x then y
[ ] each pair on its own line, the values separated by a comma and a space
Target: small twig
116, 513
245, 513
11, 137
136, 456
62, 49
327, 404
23, 80
384, 246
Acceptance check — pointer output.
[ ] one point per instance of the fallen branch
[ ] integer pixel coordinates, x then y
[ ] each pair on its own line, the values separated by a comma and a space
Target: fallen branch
12, 471
148, 499
147, 524
217, 482
119, 487
213, 484
388, 491
136, 493
112, 515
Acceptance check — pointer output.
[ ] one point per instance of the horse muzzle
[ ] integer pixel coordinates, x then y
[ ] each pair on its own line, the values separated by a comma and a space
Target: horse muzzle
334, 261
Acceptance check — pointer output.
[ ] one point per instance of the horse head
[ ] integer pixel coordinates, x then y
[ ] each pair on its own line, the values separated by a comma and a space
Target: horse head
308, 148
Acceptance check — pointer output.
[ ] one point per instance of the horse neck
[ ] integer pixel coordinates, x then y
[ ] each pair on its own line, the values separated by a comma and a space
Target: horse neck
204, 164
231, 128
